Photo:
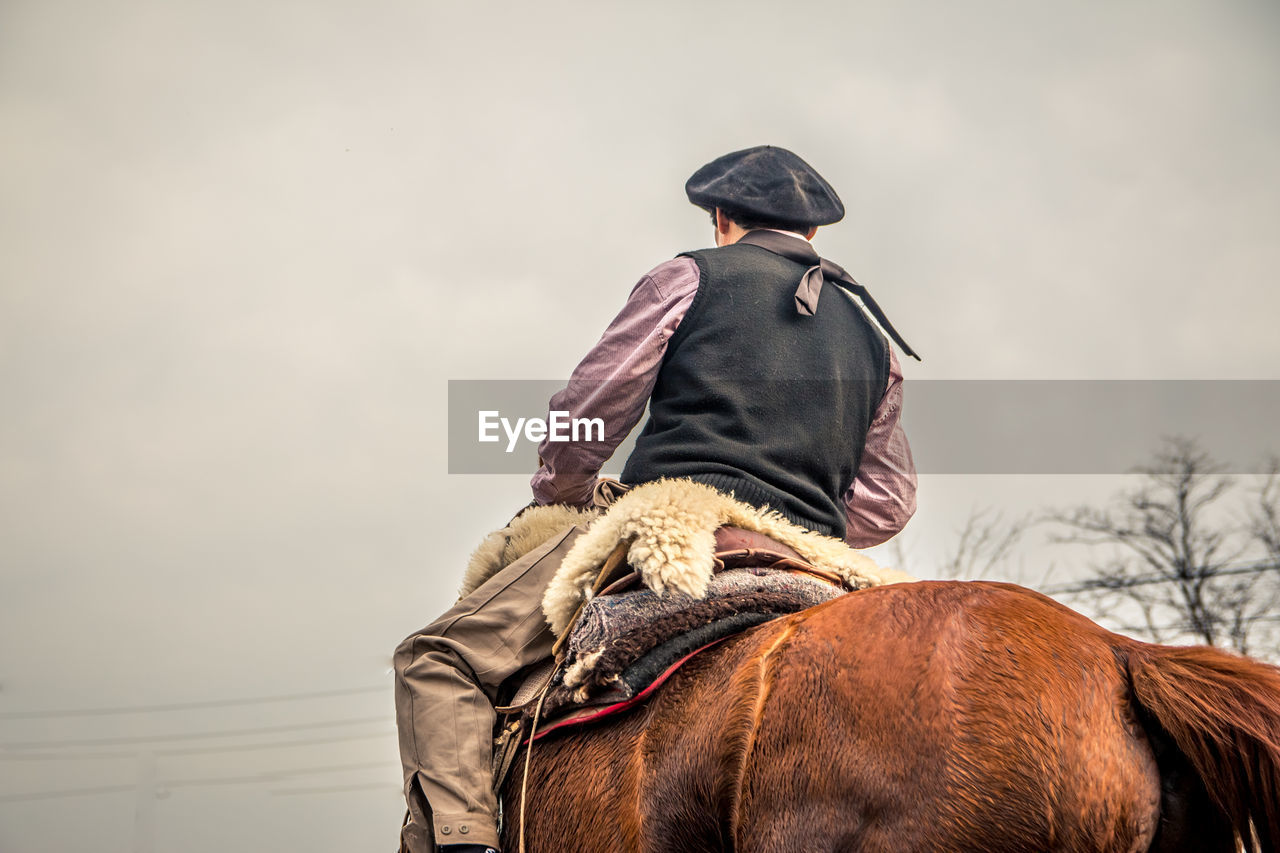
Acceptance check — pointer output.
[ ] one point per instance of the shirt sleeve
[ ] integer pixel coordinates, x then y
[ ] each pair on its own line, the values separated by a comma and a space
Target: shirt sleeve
613, 382
882, 497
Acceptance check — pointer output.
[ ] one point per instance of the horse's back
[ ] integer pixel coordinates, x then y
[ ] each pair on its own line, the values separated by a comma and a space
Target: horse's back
925, 716
948, 716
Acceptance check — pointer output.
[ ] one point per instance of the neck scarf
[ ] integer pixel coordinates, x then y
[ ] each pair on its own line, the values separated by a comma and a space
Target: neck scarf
819, 271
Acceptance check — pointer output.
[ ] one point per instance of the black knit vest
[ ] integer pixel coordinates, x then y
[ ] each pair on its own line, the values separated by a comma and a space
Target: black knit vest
756, 400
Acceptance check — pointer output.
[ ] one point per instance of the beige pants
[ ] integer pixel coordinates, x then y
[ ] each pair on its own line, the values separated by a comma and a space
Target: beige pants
447, 680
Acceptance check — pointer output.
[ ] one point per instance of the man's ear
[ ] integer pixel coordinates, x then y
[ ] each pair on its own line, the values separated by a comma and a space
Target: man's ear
722, 222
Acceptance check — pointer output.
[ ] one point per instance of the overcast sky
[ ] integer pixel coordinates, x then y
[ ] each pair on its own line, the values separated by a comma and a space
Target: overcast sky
244, 247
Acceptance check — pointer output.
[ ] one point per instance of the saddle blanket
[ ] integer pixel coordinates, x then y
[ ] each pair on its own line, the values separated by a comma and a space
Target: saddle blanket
623, 642
669, 528
617, 646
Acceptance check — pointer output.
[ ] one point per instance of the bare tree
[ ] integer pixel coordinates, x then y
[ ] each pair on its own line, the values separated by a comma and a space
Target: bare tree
982, 547
1176, 552
985, 543
1264, 515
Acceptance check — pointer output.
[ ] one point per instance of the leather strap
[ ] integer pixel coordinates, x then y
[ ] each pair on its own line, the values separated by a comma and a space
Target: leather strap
615, 566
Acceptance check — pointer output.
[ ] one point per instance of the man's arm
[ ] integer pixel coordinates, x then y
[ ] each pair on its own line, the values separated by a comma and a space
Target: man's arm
613, 382
882, 497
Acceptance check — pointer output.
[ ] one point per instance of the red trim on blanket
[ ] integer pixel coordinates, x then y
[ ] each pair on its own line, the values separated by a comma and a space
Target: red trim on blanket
587, 716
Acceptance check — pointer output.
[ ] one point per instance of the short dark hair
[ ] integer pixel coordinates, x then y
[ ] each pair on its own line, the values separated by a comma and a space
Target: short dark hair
747, 222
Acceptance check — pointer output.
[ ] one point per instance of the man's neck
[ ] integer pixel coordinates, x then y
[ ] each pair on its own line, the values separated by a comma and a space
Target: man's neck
782, 231
736, 233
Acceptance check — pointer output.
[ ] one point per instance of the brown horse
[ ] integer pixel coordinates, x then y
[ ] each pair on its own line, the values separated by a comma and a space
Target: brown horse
932, 716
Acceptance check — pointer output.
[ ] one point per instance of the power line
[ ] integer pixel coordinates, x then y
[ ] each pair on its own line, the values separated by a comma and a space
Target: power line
187, 706
262, 778
281, 745
336, 789
165, 753
108, 741
272, 776
1188, 627
57, 795
1155, 578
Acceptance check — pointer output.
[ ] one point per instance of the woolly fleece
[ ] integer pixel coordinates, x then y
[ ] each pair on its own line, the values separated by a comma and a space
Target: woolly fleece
671, 526
522, 534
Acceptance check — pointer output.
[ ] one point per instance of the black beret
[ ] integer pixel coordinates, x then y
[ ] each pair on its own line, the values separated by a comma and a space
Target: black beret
767, 183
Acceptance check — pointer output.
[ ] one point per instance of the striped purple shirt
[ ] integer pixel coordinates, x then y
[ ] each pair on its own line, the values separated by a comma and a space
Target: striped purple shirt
617, 376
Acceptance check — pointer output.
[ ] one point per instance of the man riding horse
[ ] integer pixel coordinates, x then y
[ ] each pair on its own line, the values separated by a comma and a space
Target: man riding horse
755, 387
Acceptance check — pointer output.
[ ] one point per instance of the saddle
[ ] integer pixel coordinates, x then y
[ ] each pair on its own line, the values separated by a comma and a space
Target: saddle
627, 640
626, 634
667, 570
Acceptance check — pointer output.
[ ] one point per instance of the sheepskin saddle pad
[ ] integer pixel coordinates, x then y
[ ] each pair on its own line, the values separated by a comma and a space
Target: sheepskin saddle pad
669, 531
646, 583
623, 642
669, 528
